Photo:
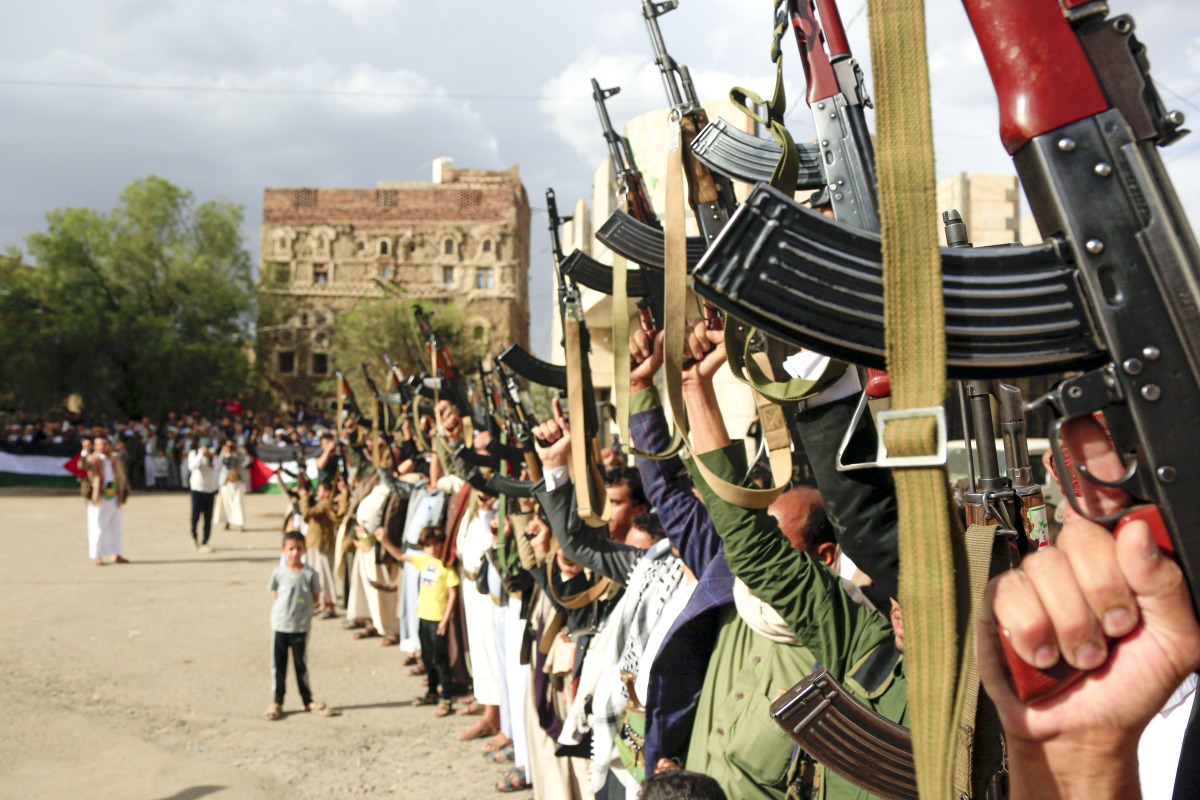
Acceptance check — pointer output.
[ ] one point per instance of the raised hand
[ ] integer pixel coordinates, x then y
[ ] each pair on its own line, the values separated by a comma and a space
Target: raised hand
1116, 607
646, 352
556, 451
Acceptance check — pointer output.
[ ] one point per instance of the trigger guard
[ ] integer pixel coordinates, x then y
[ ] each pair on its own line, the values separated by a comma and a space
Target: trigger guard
1060, 466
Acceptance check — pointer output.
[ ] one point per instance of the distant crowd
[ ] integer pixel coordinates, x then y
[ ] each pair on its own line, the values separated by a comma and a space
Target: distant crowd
154, 453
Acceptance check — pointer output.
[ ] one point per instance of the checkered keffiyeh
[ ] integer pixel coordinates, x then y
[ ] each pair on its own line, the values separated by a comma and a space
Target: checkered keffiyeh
650, 586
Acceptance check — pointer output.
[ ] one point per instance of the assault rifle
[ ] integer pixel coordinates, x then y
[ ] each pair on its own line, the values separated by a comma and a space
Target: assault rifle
516, 357
631, 187
710, 195
732, 152
1113, 293
831, 725
449, 382
837, 98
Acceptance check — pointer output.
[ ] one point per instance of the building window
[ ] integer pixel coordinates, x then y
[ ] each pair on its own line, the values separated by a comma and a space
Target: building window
485, 278
448, 247
479, 332
447, 275
487, 245
383, 271
282, 274
320, 365
383, 248
304, 320
320, 273
362, 246
287, 362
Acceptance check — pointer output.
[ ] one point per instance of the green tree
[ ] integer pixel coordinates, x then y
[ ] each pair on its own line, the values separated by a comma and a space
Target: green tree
387, 326
141, 310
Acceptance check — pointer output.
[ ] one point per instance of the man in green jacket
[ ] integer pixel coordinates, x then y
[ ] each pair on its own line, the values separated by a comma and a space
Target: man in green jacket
860, 648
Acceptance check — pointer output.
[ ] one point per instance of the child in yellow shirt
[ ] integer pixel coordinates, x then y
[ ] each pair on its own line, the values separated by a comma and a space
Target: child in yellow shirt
437, 593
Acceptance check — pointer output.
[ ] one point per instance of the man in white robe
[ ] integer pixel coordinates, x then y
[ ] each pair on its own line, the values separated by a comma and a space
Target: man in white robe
107, 491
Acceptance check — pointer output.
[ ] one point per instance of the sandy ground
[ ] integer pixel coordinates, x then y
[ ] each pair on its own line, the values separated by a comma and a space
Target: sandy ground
149, 680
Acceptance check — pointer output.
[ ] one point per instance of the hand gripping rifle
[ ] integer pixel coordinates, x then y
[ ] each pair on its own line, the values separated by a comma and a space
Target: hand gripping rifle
1114, 292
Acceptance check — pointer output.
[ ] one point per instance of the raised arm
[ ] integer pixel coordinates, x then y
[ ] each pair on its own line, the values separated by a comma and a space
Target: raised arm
666, 483
803, 591
590, 547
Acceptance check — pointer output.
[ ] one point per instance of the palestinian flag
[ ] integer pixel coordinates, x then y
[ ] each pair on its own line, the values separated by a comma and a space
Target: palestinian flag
52, 466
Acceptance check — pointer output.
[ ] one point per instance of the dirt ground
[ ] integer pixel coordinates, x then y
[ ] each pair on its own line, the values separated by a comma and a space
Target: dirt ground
149, 680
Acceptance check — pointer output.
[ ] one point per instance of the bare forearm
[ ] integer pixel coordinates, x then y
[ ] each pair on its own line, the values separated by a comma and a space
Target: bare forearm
704, 417
1064, 771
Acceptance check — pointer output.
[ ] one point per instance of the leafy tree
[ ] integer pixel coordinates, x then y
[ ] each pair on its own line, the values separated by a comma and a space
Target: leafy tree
387, 326
141, 310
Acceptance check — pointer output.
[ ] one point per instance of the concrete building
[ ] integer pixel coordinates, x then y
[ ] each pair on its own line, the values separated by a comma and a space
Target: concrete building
990, 206
464, 237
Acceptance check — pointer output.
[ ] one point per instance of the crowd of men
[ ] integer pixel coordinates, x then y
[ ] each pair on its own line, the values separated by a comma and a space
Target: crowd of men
155, 453
594, 658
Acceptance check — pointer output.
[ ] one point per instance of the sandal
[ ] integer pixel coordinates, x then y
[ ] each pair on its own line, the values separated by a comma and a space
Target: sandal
419, 669
410, 659
471, 709
274, 712
445, 708
505, 755
390, 641
322, 710
428, 699
366, 633
479, 730
353, 624
328, 614
514, 780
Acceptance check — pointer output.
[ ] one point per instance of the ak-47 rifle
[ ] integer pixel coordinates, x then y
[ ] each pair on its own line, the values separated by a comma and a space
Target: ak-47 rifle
832, 725
732, 152
381, 431
709, 195
1114, 293
449, 380
635, 201
591, 499
516, 357
631, 187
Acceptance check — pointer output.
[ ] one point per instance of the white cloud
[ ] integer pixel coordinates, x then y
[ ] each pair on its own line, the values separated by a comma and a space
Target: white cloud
361, 12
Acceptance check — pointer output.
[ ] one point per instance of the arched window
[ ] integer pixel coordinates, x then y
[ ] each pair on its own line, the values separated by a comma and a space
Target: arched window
448, 247
383, 248
487, 245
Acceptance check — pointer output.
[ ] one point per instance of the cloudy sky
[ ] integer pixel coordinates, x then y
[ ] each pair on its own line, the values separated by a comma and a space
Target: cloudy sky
227, 97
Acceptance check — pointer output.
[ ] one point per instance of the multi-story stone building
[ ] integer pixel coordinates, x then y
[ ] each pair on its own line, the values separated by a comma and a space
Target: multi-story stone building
462, 238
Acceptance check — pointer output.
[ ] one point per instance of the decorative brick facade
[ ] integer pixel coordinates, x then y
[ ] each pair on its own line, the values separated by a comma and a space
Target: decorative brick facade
463, 238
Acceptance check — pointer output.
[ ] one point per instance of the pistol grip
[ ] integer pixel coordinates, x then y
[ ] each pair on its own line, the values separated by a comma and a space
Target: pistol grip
1034, 685
879, 383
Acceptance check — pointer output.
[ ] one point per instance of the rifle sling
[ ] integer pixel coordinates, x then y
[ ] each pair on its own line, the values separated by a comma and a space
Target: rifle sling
916, 359
675, 290
787, 170
621, 366
579, 599
590, 497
